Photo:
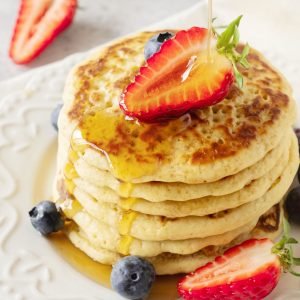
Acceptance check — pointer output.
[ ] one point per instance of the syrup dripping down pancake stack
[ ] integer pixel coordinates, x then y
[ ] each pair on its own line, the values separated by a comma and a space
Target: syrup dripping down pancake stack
178, 192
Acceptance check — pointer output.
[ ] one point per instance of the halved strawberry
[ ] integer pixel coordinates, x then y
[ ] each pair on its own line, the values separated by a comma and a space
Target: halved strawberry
179, 77
38, 23
249, 271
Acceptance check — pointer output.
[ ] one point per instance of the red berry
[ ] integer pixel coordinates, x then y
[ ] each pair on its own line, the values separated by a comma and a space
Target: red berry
38, 23
181, 76
248, 271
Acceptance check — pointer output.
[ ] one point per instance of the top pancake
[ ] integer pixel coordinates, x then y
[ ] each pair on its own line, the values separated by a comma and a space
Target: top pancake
202, 146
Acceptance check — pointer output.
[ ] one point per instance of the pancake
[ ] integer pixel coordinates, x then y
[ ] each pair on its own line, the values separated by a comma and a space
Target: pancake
205, 146
161, 191
104, 182
168, 263
157, 228
93, 198
178, 192
104, 236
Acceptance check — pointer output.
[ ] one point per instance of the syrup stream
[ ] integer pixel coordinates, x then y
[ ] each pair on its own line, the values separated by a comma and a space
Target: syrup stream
194, 60
209, 30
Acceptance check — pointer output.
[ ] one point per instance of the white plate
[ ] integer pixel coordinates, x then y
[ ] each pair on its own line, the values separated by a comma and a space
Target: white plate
30, 269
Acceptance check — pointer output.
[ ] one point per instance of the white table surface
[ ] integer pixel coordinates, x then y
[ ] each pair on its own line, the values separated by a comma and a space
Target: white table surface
96, 21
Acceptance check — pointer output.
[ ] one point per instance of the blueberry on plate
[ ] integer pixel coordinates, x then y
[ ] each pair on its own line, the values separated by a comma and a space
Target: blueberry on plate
153, 45
46, 218
132, 277
292, 205
54, 116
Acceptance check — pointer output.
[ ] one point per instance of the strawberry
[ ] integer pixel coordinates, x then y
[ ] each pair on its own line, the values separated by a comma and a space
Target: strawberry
38, 23
247, 271
179, 77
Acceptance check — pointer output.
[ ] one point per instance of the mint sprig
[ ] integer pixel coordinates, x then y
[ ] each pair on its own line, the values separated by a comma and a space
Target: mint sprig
283, 249
227, 42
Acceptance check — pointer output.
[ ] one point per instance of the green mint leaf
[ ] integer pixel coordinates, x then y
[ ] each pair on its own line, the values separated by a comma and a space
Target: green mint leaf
238, 76
226, 36
246, 51
227, 42
244, 63
236, 37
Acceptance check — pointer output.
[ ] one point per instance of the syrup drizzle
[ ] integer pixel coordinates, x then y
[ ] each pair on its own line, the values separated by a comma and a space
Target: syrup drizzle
210, 33
70, 206
133, 150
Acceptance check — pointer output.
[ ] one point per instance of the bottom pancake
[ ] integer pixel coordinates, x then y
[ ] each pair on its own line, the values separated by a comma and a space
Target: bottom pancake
167, 263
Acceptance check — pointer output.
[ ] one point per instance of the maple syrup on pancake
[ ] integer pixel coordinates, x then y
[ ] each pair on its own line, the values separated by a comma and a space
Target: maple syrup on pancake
132, 149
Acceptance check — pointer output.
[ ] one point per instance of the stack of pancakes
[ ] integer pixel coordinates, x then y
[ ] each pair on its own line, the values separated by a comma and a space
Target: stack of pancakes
177, 193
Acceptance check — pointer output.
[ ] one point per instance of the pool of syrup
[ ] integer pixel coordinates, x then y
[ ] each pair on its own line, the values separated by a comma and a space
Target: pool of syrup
164, 287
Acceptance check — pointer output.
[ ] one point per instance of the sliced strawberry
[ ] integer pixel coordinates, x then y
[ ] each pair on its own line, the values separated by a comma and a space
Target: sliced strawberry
248, 271
179, 77
38, 23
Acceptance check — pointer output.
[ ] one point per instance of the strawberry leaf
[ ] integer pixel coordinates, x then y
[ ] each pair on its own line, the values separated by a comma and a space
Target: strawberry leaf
284, 251
292, 241
296, 261
286, 227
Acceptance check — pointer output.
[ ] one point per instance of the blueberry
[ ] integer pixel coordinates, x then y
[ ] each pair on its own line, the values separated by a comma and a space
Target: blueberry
45, 218
292, 205
54, 116
153, 45
132, 277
